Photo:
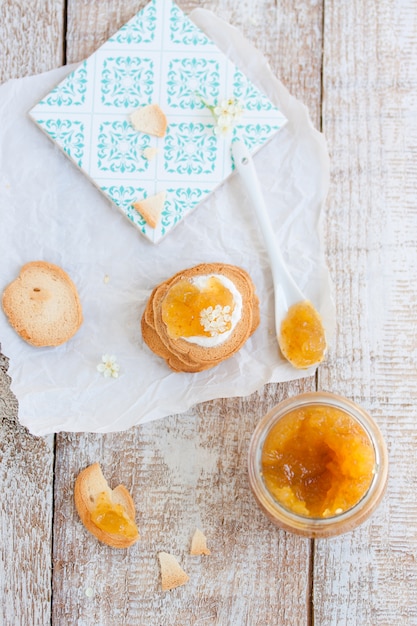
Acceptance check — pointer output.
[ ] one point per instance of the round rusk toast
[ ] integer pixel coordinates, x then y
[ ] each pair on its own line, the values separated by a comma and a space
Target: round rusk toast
42, 304
214, 340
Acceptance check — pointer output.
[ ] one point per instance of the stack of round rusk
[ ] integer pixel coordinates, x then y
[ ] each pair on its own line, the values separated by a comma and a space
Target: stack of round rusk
171, 324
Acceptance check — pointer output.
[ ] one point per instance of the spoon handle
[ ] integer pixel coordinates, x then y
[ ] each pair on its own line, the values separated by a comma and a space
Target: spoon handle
246, 168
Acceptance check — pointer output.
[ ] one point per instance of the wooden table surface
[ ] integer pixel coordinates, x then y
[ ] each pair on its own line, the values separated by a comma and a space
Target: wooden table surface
354, 64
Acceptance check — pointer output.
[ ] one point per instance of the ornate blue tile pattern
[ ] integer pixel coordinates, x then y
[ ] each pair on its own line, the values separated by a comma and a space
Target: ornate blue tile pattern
159, 56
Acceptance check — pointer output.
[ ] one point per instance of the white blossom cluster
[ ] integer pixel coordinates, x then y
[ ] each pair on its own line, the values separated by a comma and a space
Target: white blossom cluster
215, 320
226, 115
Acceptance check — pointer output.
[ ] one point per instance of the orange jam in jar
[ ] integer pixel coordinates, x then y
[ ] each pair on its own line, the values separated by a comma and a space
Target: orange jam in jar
302, 337
112, 518
317, 464
185, 301
318, 461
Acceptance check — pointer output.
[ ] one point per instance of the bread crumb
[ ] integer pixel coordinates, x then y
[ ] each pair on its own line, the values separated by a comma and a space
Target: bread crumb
199, 543
149, 119
172, 574
149, 153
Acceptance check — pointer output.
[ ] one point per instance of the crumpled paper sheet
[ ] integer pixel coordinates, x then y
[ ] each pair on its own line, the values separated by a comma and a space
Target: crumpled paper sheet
50, 211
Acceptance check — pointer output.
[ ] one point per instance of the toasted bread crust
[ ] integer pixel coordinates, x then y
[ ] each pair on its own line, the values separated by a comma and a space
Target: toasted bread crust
185, 356
42, 304
89, 484
150, 208
150, 119
172, 574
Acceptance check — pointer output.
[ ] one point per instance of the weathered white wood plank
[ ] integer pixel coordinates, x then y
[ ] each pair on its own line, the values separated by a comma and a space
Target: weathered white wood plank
30, 41
31, 37
369, 118
288, 33
26, 478
90, 24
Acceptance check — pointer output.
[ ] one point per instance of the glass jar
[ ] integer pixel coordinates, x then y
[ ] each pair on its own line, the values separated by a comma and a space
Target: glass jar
337, 522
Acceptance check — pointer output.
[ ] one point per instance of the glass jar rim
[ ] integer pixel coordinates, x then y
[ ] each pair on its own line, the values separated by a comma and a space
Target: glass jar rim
314, 526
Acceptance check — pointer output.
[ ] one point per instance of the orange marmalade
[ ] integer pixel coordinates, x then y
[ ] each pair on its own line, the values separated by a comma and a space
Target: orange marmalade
112, 518
302, 338
185, 302
317, 461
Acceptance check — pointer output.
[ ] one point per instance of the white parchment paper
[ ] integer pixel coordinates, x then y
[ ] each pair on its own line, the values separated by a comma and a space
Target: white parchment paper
50, 211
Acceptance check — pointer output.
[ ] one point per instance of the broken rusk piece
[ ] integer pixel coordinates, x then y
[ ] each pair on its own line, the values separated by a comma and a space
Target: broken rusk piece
149, 119
150, 208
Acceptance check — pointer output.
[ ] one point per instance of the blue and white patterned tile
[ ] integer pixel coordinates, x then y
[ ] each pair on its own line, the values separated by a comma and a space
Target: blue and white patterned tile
183, 32
182, 202
191, 151
160, 56
70, 133
142, 32
123, 82
72, 95
118, 151
189, 79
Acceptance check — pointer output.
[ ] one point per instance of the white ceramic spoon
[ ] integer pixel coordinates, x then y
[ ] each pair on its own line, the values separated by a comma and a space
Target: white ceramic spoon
286, 291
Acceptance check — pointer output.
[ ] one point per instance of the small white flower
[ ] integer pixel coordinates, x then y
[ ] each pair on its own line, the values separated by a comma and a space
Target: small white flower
231, 108
225, 114
215, 321
237, 110
224, 125
108, 366
224, 108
